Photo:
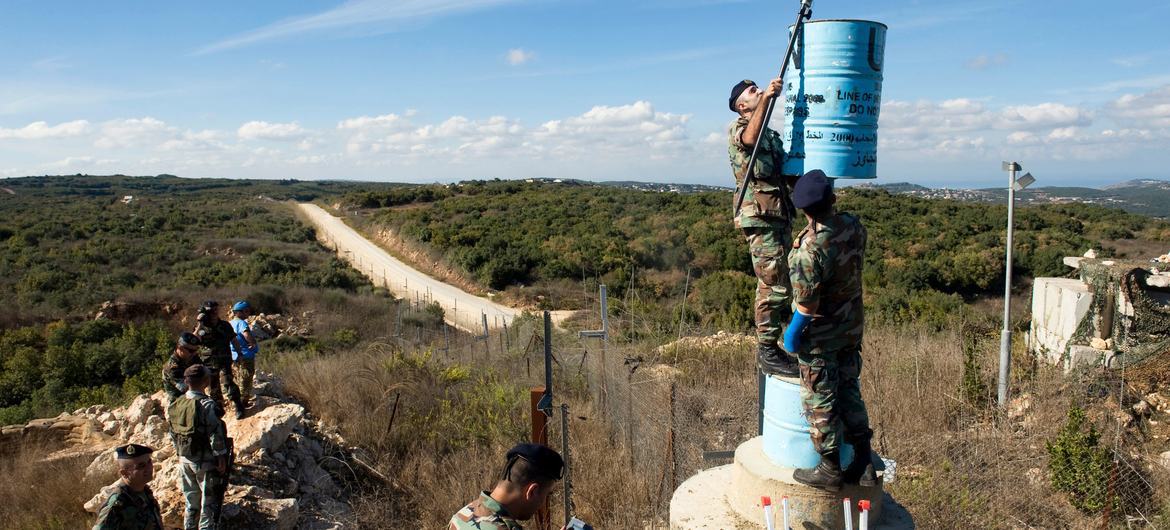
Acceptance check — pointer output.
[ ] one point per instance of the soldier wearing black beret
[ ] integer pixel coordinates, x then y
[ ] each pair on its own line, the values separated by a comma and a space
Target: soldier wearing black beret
185, 355
132, 505
530, 472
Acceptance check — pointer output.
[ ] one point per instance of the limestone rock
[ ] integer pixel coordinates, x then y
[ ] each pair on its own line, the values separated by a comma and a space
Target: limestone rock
1099, 344
142, 408
1164, 460
1141, 409
103, 467
1091, 254
95, 504
267, 429
283, 512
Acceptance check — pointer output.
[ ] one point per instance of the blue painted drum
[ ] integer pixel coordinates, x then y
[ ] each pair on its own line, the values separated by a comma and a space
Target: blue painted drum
786, 437
833, 98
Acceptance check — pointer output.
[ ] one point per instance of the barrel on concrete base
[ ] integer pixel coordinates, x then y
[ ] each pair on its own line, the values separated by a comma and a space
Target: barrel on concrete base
833, 99
786, 438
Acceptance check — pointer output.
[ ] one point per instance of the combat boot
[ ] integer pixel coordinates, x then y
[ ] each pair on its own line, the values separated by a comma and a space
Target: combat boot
774, 361
826, 476
860, 470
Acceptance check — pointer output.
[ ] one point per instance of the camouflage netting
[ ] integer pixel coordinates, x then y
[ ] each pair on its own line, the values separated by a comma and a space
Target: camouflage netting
1140, 323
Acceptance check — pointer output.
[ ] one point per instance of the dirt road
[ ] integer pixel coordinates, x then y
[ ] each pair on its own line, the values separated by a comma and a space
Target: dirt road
463, 309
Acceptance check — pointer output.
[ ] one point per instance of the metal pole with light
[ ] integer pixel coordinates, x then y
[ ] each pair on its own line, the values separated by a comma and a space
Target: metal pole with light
1005, 338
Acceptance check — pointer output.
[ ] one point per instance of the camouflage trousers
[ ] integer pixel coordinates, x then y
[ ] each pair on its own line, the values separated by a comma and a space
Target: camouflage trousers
830, 391
201, 483
245, 377
227, 381
769, 250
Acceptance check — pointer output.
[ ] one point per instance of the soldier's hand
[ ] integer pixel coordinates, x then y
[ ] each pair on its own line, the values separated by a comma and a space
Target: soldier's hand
774, 88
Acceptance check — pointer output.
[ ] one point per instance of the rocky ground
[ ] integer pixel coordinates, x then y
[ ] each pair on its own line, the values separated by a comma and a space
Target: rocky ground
291, 470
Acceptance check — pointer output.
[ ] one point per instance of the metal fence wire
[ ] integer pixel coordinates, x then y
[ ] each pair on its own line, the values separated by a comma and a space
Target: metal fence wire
1075, 450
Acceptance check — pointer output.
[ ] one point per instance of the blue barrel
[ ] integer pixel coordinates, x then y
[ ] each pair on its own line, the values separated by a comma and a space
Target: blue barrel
833, 98
786, 439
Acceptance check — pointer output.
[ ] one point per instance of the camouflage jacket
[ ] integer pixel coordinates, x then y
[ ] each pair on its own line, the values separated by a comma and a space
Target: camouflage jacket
768, 198
483, 513
172, 375
217, 338
209, 426
127, 510
825, 268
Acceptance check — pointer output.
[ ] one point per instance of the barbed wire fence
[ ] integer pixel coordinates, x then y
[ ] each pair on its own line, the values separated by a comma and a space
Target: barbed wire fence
1069, 451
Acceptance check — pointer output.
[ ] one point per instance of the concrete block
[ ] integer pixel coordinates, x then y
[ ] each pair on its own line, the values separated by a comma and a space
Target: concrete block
1058, 307
1080, 355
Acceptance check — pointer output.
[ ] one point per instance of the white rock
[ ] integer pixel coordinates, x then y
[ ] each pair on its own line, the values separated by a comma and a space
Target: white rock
1091, 254
1141, 409
143, 407
104, 467
1164, 459
111, 427
313, 479
1099, 344
105, 417
267, 429
283, 512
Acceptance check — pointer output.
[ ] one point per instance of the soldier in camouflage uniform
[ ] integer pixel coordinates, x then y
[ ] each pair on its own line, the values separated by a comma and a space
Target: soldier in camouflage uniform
825, 332
203, 454
217, 336
765, 217
132, 505
529, 475
186, 354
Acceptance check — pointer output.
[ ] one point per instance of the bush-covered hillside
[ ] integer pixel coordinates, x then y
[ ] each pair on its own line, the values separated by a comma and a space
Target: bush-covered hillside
924, 255
67, 244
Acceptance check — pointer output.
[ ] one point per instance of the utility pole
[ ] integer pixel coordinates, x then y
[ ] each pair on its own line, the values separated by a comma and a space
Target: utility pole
1005, 337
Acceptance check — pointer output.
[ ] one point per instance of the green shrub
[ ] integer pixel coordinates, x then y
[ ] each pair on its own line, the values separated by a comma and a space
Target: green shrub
1079, 467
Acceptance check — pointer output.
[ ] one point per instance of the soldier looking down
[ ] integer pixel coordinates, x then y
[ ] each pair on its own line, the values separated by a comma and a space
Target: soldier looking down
826, 330
765, 217
529, 475
185, 354
132, 505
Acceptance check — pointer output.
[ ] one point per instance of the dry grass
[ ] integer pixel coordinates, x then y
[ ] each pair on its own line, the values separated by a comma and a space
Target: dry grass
38, 495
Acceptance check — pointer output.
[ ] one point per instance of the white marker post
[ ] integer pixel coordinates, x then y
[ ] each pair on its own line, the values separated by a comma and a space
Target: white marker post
848, 514
784, 503
863, 516
767, 502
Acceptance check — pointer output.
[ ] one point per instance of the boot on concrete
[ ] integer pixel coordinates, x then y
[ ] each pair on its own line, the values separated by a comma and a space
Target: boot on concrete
826, 476
860, 470
774, 361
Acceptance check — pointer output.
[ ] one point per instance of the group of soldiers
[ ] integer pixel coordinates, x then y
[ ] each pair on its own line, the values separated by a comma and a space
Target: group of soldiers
202, 362
808, 296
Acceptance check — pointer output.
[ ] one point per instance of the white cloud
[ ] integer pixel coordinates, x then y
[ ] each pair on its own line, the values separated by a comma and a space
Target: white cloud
371, 16
1150, 109
262, 130
1044, 115
134, 132
517, 56
40, 130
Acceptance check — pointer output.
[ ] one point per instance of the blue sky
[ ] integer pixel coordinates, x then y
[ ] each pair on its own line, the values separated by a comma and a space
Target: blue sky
439, 90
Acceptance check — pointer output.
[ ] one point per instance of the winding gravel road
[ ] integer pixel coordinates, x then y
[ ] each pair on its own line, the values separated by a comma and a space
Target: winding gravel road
463, 310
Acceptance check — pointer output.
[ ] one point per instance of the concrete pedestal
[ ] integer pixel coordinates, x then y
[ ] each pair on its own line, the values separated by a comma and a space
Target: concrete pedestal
728, 497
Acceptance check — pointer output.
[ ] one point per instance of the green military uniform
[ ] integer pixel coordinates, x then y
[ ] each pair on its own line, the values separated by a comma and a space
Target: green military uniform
172, 375
766, 220
200, 481
483, 513
217, 337
826, 264
130, 510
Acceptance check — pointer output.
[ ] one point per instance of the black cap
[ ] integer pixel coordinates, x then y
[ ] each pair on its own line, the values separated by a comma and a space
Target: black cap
736, 91
545, 462
195, 371
208, 306
189, 340
811, 189
132, 451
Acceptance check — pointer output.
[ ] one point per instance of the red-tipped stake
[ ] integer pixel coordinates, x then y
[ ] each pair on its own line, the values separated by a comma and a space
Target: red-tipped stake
784, 503
863, 517
848, 514
767, 502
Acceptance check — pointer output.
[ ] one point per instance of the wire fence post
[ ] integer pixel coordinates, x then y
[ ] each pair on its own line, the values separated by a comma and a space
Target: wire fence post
568, 480
540, 436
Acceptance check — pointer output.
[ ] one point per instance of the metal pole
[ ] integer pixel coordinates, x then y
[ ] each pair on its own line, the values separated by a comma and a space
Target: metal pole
1005, 338
548, 375
567, 482
540, 436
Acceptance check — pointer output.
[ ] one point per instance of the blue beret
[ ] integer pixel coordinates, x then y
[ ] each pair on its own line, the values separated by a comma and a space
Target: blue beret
545, 461
736, 91
132, 451
812, 188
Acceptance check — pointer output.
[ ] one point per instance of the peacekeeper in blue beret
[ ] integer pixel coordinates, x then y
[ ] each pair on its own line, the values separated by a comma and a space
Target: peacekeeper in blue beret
765, 217
825, 333
132, 505
530, 472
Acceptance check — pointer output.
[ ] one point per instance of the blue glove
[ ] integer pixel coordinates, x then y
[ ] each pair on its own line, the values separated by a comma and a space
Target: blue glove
795, 331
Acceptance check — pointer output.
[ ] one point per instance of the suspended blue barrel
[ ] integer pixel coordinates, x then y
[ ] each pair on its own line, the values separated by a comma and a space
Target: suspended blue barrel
833, 98
786, 439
